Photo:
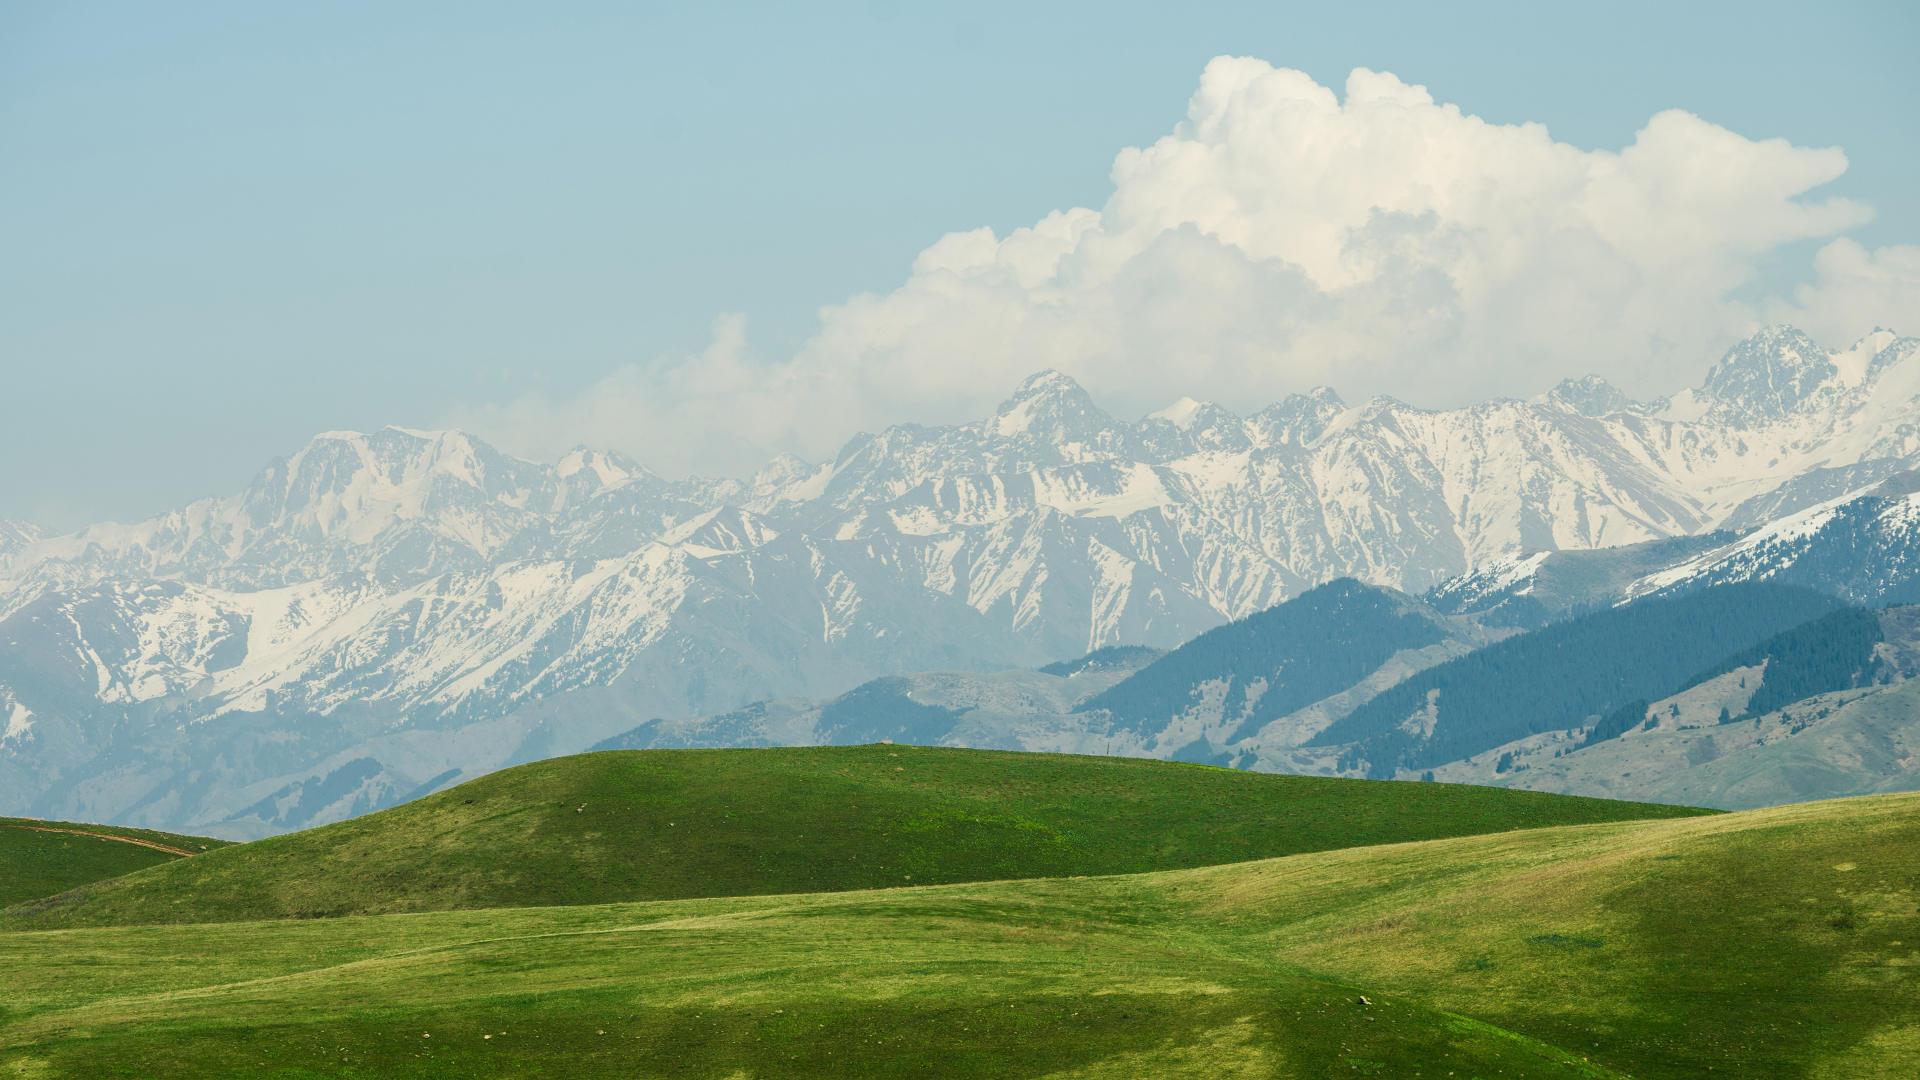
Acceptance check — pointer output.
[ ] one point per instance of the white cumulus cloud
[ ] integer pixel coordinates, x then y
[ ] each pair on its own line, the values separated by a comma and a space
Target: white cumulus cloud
1855, 287
1283, 236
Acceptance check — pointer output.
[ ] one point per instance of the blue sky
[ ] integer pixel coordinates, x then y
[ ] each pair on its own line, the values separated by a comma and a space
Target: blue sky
224, 227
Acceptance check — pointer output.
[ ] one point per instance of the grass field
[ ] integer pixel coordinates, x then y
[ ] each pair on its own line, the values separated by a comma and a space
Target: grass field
40, 858
673, 824
1780, 942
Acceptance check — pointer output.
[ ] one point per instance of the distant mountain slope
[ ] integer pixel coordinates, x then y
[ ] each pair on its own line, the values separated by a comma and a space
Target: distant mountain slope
1009, 710
610, 826
1782, 679
1111, 658
1862, 545
1865, 549
1236, 679
1537, 588
1837, 651
1561, 677
1819, 711
1852, 742
1247, 693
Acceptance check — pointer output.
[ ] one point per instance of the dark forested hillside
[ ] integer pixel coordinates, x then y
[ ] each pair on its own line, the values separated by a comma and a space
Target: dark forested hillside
1830, 653
882, 710
1315, 645
1565, 675
1109, 658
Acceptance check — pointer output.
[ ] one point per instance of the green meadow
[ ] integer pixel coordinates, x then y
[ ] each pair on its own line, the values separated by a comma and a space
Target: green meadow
679, 824
1781, 942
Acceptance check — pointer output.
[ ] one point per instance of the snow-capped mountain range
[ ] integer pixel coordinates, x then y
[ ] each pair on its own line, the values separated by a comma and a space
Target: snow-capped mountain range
1863, 548
381, 611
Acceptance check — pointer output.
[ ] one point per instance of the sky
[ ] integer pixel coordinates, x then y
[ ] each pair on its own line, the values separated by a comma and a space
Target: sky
708, 235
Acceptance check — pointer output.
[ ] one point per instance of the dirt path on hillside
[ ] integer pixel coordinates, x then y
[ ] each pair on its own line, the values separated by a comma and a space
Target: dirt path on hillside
140, 841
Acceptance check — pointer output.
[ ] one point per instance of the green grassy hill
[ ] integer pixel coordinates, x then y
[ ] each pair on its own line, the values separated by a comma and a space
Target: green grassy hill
1777, 942
40, 858
670, 824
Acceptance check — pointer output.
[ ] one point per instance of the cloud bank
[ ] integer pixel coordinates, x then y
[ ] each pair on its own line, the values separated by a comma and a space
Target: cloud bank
1284, 236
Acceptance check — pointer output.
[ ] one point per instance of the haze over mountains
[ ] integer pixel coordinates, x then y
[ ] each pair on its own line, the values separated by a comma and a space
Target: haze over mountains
382, 612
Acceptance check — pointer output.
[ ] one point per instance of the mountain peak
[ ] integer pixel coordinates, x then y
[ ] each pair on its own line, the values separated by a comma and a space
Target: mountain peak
1051, 406
608, 468
349, 486
429, 434
18, 534
1047, 380
789, 478
782, 469
1298, 419
1588, 395
1878, 338
393, 440
1180, 414
1767, 376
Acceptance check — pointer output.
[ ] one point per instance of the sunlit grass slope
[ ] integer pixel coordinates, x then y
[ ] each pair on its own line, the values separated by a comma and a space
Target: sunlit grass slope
1779, 942
669, 824
40, 858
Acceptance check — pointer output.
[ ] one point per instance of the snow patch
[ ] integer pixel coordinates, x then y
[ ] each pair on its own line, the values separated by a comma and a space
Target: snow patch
19, 719
1180, 414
